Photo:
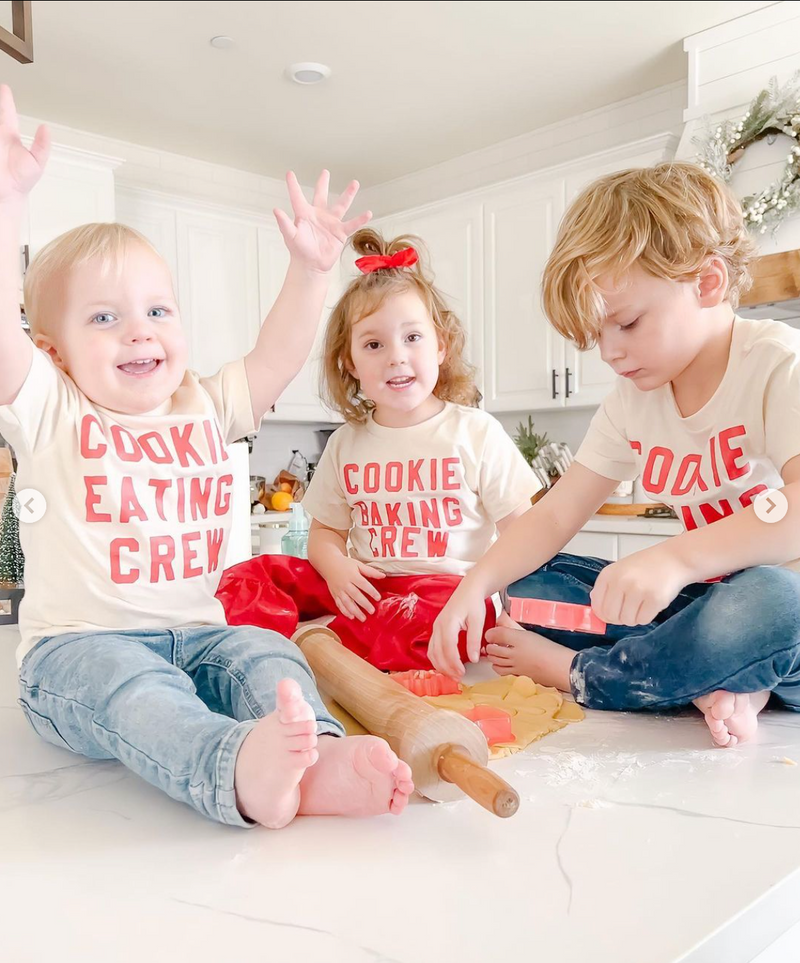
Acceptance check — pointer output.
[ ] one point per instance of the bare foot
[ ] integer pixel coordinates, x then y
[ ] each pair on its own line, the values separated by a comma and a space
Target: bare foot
732, 717
519, 652
355, 776
274, 758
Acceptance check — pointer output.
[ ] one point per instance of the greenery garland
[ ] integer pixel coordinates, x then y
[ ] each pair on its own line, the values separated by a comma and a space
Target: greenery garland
775, 111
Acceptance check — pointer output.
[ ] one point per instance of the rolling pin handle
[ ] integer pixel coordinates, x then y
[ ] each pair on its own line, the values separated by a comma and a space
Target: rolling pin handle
479, 783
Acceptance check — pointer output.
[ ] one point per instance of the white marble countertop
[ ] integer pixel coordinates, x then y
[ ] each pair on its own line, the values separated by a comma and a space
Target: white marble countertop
635, 843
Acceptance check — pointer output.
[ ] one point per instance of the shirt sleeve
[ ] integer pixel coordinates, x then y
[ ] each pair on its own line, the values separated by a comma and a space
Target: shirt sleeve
782, 412
506, 480
229, 391
325, 499
44, 403
606, 448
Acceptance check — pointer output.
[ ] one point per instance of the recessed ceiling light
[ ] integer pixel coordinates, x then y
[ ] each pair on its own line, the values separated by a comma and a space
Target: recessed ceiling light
222, 43
308, 73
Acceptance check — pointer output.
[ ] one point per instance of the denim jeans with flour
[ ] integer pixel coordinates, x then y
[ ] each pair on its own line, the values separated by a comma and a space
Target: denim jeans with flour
741, 634
173, 705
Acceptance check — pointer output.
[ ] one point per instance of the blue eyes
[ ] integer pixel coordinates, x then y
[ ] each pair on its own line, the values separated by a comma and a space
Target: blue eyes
105, 318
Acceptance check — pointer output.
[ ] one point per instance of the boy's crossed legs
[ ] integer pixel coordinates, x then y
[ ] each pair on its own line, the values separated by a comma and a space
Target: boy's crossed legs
724, 646
226, 719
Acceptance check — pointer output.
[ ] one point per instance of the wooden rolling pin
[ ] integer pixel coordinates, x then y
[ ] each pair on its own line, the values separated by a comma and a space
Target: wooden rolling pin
446, 752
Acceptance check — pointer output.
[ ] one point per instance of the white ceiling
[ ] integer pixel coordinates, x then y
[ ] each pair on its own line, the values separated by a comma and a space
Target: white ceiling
413, 83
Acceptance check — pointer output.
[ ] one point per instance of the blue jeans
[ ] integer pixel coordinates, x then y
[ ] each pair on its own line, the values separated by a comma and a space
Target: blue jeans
741, 634
173, 705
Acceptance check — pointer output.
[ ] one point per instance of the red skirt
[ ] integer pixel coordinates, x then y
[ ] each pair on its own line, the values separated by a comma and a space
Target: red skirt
279, 591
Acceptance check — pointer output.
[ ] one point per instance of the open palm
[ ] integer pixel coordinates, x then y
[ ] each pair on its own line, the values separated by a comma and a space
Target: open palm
318, 234
20, 168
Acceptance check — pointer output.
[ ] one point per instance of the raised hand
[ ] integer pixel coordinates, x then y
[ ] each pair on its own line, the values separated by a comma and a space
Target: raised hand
318, 233
20, 168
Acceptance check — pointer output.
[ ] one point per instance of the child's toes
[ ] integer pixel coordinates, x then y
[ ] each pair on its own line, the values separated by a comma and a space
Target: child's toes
398, 803
303, 758
302, 742
304, 727
290, 704
723, 706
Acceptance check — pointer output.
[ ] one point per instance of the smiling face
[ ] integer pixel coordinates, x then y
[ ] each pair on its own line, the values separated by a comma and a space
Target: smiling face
396, 355
656, 327
116, 330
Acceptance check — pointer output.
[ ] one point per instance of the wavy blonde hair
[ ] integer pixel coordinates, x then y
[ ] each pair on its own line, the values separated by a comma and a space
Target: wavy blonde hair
365, 295
669, 219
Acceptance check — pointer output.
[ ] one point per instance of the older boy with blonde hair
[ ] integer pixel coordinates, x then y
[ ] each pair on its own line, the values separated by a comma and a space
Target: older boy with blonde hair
125, 652
649, 265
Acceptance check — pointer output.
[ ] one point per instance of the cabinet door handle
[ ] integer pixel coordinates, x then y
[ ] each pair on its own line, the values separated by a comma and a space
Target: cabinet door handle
554, 380
567, 391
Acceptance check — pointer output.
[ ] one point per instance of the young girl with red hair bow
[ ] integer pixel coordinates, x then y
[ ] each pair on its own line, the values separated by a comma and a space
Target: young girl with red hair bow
410, 491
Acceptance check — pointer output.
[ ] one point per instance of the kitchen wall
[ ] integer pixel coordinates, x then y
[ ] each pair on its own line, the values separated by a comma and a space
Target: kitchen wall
273, 446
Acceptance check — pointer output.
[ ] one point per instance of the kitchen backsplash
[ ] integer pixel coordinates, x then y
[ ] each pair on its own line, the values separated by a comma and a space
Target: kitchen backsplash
273, 446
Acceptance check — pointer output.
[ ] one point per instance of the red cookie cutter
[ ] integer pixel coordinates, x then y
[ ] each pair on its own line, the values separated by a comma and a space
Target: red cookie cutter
426, 682
495, 724
556, 615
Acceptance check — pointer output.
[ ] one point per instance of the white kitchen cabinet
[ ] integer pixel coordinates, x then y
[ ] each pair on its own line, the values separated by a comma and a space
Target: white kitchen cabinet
611, 545
628, 544
218, 287
301, 399
157, 221
523, 354
588, 379
76, 188
453, 237
214, 259
595, 544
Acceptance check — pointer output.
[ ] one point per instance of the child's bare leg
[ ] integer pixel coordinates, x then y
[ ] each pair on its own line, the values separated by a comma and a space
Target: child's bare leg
732, 717
282, 769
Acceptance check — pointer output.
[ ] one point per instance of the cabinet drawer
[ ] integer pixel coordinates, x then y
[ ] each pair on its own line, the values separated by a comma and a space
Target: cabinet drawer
628, 544
596, 544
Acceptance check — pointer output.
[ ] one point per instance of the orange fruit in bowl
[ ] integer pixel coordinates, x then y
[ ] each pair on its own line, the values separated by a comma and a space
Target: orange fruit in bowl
286, 487
281, 501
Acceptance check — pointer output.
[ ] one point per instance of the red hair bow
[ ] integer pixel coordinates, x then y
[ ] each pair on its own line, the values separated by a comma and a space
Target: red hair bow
378, 262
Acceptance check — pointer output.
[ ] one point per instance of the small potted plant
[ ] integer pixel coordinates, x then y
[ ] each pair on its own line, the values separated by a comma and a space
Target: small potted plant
528, 442
12, 561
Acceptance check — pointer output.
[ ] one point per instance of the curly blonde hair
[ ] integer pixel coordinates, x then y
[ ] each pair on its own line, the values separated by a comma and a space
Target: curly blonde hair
669, 219
365, 295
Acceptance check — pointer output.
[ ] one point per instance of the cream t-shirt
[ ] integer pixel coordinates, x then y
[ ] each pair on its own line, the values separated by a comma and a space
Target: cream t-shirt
424, 499
138, 506
717, 461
